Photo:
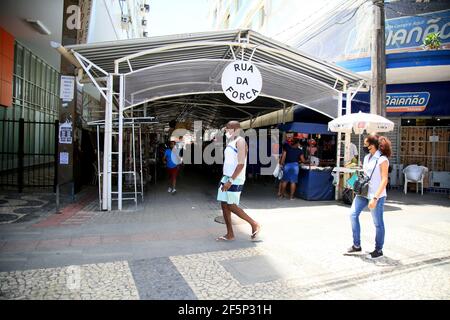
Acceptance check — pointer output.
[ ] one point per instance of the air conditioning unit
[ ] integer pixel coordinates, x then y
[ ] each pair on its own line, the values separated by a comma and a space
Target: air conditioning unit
144, 22
145, 8
125, 19
125, 22
145, 34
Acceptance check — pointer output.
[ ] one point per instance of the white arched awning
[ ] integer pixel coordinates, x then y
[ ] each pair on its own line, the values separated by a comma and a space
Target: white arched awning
179, 78
167, 67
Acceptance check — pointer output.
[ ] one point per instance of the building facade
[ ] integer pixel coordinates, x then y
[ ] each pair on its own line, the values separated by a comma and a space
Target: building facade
30, 100
418, 79
418, 88
111, 20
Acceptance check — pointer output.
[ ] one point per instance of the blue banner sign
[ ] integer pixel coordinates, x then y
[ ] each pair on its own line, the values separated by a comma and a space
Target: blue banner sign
407, 101
409, 32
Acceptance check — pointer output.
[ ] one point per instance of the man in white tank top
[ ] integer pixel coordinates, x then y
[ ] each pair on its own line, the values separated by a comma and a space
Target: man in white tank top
233, 179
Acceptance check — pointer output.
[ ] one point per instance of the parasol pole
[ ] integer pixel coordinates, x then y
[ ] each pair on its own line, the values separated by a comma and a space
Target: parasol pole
359, 150
338, 151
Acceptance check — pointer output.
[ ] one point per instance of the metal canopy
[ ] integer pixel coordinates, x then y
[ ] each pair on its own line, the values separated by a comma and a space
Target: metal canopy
178, 77
212, 109
187, 65
104, 54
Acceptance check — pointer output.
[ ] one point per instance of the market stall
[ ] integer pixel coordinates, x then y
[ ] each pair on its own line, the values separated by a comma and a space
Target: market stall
315, 183
315, 180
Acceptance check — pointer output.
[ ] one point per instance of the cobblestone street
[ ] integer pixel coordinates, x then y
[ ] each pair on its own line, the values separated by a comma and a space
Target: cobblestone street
167, 250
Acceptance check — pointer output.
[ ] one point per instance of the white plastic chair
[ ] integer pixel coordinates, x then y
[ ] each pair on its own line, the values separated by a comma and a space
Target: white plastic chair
414, 173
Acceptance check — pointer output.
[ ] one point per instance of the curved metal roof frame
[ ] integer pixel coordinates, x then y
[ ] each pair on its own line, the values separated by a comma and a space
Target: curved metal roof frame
131, 55
130, 58
207, 80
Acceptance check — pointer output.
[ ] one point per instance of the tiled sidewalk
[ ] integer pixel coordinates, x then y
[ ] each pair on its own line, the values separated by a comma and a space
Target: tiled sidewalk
166, 250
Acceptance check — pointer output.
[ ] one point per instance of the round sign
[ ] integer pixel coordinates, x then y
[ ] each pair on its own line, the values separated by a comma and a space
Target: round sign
241, 81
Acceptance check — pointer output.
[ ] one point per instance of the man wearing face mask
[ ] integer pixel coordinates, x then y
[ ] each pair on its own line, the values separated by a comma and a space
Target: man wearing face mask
233, 179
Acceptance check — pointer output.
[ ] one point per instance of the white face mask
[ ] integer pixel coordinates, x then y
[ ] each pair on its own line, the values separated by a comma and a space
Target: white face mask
228, 135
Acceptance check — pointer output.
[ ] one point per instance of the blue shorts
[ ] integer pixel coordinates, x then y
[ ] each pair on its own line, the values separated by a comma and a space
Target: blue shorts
290, 172
233, 195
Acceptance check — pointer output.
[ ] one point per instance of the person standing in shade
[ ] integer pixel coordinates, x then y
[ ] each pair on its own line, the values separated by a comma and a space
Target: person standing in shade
352, 156
172, 161
179, 147
313, 152
290, 158
232, 181
376, 164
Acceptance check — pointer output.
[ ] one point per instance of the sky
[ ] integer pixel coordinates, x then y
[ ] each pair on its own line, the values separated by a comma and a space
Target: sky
178, 16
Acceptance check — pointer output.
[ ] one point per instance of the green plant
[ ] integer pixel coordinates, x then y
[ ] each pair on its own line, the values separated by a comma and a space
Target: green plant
432, 41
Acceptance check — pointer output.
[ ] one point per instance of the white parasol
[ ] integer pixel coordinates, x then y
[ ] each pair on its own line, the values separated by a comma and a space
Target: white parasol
358, 122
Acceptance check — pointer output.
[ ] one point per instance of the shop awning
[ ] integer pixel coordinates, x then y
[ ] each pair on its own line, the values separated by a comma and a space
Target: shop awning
186, 70
185, 47
305, 127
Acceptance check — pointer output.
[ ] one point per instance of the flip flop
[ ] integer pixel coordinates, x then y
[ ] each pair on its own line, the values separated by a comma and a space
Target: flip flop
223, 238
254, 234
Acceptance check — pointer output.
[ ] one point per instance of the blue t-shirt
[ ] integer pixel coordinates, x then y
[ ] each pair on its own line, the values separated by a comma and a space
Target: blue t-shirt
292, 154
171, 158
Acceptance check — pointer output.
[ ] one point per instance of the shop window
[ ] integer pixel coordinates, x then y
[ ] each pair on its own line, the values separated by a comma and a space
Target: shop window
46, 85
43, 73
33, 69
18, 89
26, 65
35, 88
427, 145
435, 121
19, 61
38, 73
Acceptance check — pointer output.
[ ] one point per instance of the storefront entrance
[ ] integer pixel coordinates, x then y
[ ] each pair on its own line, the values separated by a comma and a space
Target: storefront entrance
180, 78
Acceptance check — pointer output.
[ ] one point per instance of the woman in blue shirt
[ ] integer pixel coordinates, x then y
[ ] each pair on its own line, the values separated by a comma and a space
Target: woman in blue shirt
290, 158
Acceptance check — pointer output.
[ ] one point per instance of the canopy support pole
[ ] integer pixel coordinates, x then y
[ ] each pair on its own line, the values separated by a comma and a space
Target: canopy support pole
348, 110
120, 142
140, 162
107, 155
99, 181
338, 151
133, 139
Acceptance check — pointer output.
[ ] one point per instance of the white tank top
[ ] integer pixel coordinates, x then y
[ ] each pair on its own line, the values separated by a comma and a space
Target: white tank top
231, 160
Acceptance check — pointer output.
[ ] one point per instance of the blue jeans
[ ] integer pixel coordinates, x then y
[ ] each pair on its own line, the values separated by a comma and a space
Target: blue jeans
359, 203
290, 172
